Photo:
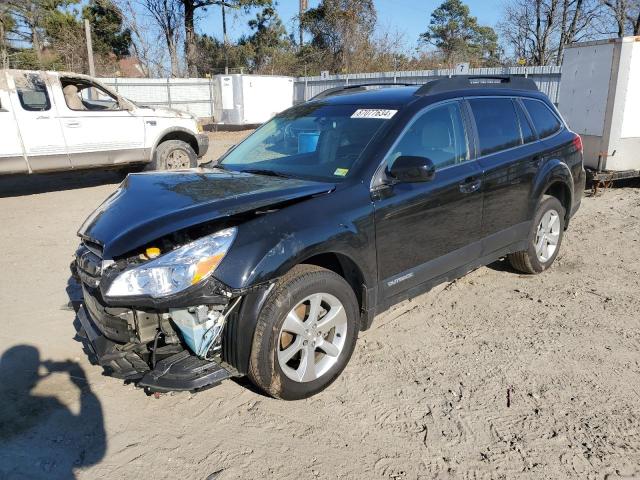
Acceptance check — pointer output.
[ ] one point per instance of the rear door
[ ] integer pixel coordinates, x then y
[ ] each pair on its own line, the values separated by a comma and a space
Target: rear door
508, 156
11, 156
98, 130
424, 230
37, 118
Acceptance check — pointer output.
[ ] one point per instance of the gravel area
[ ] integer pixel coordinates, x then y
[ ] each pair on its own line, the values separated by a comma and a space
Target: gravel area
496, 375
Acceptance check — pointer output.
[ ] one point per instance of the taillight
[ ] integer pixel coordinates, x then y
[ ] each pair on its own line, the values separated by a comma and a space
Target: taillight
577, 142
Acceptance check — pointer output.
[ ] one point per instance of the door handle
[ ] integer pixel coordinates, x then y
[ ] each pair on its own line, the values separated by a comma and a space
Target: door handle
470, 185
43, 117
72, 124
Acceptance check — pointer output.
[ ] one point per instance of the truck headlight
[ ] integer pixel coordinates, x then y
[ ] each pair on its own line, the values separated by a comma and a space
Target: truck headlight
175, 271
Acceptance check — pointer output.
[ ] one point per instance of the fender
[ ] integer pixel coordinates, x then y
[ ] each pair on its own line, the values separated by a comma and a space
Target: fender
166, 132
268, 246
551, 172
241, 329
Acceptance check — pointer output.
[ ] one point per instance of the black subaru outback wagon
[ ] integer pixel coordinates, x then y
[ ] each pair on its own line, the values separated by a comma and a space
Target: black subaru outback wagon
269, 263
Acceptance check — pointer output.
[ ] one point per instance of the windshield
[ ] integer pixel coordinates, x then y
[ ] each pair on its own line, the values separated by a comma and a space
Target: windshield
320, 142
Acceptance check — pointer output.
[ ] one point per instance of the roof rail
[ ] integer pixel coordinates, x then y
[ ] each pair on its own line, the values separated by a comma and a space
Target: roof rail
363, 86
459, 82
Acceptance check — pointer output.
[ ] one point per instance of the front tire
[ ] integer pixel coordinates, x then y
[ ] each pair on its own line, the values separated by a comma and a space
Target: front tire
173, 155
545, 238
305, 335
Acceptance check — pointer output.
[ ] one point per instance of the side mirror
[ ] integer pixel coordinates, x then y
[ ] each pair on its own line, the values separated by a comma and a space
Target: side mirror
409, 169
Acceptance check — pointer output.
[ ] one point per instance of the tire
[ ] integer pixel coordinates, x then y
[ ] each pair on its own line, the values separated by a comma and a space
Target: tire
273, 341
173, 155
531, 260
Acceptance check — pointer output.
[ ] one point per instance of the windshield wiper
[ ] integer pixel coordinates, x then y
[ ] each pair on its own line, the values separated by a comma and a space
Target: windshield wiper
270, 173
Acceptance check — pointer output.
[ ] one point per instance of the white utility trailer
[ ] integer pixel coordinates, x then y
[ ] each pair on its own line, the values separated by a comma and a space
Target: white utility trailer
250, 99
600, 100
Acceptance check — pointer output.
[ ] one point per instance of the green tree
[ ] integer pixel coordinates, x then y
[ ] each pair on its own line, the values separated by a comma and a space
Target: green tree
189, 10
269, 39
341, 31
29, 19
7, 24
458, 36
108, 34
210, 58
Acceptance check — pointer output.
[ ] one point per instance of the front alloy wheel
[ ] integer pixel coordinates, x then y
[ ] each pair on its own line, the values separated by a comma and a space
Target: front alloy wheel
305, 334
312, 337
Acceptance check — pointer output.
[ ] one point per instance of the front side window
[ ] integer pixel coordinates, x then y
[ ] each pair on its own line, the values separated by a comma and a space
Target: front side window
81, 95
497, 124
545, 122
438, 135
32, 92
320, 142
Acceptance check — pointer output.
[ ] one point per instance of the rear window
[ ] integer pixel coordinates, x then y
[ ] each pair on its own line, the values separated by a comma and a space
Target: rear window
497, 124
544, 121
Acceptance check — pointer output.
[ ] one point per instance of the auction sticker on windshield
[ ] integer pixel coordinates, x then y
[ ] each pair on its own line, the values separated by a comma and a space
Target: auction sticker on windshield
374, 113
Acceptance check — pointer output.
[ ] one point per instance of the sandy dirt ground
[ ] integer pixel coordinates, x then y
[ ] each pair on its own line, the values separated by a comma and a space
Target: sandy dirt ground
496, 375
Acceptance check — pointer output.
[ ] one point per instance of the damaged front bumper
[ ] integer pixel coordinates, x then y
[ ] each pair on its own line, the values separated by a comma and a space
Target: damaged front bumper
176, 371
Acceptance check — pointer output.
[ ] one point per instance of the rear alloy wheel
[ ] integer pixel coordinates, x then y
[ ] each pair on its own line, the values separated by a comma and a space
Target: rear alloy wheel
547, 236
544, 239
306, 333
173, 155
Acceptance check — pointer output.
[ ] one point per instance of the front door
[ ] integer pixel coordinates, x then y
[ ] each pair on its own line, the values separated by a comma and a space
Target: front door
99, 131
424, 230
37, 118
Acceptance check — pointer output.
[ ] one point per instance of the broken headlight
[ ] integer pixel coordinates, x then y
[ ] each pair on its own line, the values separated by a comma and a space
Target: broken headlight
174, 271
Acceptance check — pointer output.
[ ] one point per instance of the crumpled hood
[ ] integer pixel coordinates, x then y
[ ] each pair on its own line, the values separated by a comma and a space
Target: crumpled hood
148, 206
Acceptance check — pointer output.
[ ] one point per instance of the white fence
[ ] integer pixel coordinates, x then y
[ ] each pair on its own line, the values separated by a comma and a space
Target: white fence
197, 95
547, 79
194, 95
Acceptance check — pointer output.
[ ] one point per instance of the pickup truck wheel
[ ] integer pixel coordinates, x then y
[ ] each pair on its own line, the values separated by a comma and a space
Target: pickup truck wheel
173, 155
544, 238
305, 335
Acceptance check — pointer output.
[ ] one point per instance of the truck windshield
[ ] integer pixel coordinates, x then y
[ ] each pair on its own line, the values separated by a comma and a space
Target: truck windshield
319, 142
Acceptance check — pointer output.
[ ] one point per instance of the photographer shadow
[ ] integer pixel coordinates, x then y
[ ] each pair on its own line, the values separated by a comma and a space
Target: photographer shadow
40, 437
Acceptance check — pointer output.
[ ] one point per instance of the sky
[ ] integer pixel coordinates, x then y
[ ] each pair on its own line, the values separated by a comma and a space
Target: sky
410, 17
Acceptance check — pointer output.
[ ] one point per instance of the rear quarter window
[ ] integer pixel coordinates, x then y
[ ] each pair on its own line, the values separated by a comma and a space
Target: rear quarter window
32, 92
497, 124
544, 120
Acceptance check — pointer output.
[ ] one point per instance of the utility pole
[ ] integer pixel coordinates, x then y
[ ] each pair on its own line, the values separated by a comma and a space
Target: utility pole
225, 43
87, 32
303, 8
3, 45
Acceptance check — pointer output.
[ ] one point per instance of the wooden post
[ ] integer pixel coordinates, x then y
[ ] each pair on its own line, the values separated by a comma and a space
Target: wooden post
87, 33
303, 8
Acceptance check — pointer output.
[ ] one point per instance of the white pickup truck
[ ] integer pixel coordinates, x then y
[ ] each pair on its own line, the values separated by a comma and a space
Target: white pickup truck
61, 121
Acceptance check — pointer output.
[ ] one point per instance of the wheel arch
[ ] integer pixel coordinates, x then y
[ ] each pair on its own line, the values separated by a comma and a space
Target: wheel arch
554, 179
344, 266
176, 133
238, 337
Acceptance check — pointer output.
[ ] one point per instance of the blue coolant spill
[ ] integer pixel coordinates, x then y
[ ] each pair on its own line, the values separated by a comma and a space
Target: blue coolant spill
198, 336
